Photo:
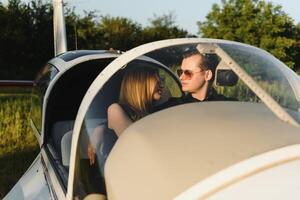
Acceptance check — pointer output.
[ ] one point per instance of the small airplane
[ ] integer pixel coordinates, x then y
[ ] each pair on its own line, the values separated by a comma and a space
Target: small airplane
248, 148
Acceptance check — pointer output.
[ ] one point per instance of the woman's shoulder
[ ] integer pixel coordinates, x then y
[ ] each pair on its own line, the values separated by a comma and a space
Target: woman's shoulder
121, 110
117, 119
115, 107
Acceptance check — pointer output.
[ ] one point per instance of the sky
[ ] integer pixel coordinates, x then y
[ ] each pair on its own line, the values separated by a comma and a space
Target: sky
187, 12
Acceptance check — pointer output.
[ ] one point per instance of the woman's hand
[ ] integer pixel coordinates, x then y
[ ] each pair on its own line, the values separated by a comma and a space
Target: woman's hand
91, 154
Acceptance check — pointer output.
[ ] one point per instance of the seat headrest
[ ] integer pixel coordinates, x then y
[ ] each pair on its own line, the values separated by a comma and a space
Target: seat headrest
226, 77
165, 96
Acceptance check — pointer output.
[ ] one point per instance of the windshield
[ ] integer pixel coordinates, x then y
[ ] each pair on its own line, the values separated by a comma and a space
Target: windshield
266, 71
271, 75
172, 80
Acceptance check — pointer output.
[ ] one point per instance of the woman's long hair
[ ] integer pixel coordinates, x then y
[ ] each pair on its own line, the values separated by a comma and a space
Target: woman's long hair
137, 90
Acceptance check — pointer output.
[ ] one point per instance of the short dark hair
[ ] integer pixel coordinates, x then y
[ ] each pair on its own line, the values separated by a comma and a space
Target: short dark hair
209, 61
205, 64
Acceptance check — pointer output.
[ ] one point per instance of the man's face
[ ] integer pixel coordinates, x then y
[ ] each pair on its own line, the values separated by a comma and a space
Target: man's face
193, 77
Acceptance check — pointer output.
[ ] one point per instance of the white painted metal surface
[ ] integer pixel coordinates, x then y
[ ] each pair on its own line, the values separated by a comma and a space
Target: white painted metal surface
63, 66
277, 183
42, 182
223, 185
194, 141
53, 182
239, 180
32, 185
60, 38
105, 75
36, 133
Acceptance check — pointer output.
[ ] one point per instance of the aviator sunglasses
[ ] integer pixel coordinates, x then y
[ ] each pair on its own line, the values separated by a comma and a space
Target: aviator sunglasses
187, 73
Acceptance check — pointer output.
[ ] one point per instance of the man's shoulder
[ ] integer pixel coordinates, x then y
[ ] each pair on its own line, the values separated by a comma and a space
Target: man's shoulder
215, 96
173, 101
220, 97
188, 98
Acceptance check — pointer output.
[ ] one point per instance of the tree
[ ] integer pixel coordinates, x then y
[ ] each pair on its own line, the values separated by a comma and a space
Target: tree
27, 34
163, 27
26, 38
119, 33
255, 22
82, 32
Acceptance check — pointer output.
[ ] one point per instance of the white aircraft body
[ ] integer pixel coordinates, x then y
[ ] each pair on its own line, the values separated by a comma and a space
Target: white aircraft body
245, 148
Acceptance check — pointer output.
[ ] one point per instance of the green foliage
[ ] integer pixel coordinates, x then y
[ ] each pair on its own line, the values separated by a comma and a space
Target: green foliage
119, 33
27, 32
240, 92
26, 38
258, 23
106, 32
82, 33
163, 27
27, 35
18, 146
15, 130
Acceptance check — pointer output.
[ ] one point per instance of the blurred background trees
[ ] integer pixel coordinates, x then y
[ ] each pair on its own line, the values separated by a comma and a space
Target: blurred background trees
26, 39
258, 23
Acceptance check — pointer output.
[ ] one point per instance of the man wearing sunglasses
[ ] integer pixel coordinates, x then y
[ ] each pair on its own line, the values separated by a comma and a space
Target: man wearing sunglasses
196, 74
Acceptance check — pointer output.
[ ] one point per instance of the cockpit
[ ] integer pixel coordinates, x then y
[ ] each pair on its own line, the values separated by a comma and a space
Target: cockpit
77, 126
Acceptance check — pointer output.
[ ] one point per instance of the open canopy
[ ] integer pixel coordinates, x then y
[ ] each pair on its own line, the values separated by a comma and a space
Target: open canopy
244, 74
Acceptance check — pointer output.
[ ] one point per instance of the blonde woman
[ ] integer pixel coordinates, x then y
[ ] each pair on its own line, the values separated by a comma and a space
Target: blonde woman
140, 88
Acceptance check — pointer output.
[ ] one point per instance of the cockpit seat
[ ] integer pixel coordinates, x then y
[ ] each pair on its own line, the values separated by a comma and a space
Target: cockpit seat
165, 96
95, 197
66, 140
226, 77
59, 129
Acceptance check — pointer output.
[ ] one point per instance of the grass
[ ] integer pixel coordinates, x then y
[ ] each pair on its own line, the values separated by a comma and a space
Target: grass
18, 145
281, 93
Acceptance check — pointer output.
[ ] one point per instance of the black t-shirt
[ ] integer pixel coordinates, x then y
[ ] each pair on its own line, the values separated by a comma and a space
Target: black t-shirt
188, 98
211, 96
130, 112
